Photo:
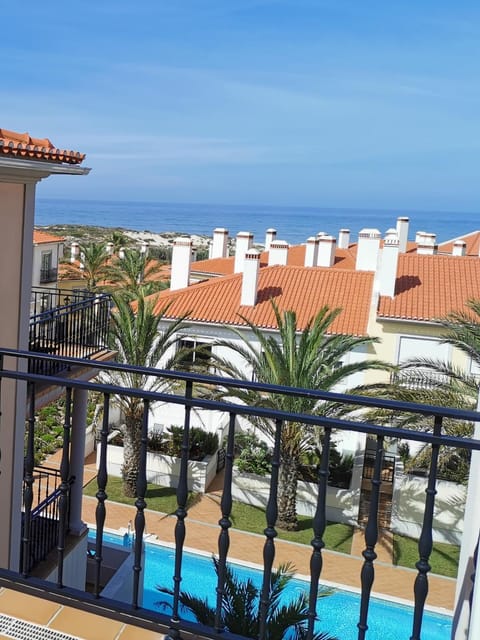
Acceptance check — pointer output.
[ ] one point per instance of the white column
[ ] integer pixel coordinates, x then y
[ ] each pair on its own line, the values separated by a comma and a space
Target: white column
466, 623
77, 459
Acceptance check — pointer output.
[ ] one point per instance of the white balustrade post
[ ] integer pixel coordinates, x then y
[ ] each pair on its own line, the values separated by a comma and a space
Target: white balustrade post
77, 459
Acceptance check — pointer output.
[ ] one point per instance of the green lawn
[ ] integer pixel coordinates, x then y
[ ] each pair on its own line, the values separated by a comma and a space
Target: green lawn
444, 558
338, 537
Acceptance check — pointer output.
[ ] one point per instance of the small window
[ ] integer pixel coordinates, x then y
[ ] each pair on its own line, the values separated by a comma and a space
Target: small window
194, 352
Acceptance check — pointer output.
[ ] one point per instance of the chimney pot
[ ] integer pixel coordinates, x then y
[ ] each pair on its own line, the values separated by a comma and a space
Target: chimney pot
402, 231
270, 236
326, 251
244, 242
278, 253
311, 252
251, 270
368, 249
426, 243
219, 246
181, 261
459, 248
343, 238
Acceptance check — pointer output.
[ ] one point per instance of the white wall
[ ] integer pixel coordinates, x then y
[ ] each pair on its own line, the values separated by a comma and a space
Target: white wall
38, 249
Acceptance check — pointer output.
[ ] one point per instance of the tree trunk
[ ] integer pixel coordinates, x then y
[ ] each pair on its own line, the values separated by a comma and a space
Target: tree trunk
131, 454
287, 493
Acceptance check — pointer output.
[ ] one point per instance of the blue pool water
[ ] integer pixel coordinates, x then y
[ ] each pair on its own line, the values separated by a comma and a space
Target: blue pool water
338, 612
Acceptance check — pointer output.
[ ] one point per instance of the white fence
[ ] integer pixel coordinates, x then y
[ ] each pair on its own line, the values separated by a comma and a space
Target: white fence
165, 470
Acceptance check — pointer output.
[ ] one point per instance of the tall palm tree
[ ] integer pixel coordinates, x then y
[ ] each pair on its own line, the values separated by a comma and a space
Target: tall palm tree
240, 607
310, 359
91, 266
138, 338
135, 273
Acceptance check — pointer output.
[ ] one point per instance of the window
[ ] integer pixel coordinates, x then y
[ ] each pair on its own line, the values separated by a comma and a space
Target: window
194, 352
47, 274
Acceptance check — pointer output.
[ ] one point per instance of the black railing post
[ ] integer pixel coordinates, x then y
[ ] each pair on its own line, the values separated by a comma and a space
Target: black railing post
181, 513
28, 481
270, 534
425, 542
319, 524
225, 522
102, 478
64, 486
140, 505
371, 536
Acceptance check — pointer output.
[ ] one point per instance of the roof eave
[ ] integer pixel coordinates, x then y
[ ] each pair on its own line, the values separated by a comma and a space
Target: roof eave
42, 168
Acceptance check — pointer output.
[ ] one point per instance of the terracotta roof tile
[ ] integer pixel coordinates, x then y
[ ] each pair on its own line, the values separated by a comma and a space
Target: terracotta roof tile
22, 145
304, 290
472, 241
429, 287
40, 237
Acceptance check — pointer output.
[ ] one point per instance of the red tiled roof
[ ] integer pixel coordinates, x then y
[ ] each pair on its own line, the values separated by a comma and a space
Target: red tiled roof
41, 237
472, 241
22, 145
303, 290
344, 259
430, 286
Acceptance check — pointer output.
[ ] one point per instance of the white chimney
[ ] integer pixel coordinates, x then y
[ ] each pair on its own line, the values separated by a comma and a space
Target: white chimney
220, 243
251, 269
343, 238
326, 251
459, 248
109, 248
270, 236
181, 261
402, 232
121, 253
368, 249
426, 244
243, 244
74, 250
278, 253
311, 252
387, 274
144, 247
419, 236
320, 234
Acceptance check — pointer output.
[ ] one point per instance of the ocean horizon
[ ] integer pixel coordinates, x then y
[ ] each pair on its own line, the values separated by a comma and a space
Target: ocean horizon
293, 224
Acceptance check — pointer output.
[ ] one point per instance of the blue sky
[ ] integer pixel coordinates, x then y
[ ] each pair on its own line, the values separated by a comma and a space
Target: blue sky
336, 103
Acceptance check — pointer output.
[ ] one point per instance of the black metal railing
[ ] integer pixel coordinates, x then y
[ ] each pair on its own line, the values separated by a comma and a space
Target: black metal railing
44, 515
388, 467
73, 324
48, 275
174, 623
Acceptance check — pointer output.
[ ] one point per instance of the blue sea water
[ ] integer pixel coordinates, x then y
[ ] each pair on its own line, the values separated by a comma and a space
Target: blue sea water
338, 612
293, 224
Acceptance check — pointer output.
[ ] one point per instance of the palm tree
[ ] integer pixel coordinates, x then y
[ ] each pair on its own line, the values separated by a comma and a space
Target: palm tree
436, 382
311, 359
134, 274
241, 603
137, 337
91, 266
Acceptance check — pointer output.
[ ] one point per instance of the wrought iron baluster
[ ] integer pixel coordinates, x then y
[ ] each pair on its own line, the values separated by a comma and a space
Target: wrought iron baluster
225, 522
140, 505
28, 482
270, 533
102, 477
181, 513
371, 537
425, 542
319, 524
64, 486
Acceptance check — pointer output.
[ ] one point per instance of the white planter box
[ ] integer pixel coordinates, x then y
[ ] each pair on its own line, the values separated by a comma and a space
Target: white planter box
165, 470
342, 504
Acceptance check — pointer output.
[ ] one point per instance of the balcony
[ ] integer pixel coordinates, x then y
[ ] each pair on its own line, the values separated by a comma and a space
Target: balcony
48, 275
367, 572
69, 323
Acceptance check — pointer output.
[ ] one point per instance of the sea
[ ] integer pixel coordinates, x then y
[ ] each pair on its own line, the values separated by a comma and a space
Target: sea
293, 224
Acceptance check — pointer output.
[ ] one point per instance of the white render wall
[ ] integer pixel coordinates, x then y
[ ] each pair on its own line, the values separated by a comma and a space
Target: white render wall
45, 247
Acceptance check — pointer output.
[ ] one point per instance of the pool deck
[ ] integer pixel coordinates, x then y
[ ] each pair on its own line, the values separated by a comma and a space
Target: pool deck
202, 532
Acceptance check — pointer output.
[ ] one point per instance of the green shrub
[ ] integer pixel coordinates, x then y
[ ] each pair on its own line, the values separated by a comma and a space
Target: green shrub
252, 455
202, 443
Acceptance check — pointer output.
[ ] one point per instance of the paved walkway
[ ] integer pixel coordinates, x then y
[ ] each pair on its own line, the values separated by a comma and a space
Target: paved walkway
202, 532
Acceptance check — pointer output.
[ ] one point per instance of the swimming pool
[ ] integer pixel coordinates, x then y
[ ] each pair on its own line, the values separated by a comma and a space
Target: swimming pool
338, 612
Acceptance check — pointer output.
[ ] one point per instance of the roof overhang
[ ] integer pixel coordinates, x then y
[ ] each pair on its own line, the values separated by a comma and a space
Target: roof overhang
21, 169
